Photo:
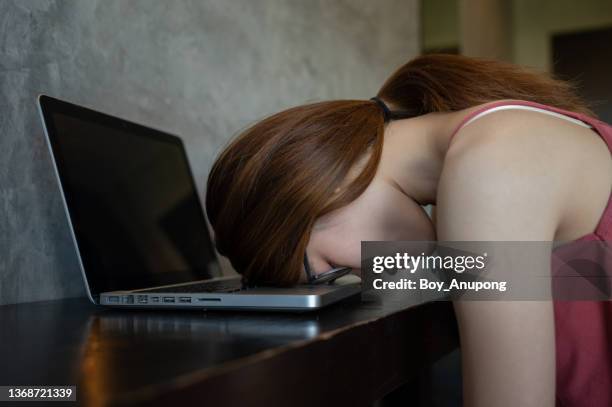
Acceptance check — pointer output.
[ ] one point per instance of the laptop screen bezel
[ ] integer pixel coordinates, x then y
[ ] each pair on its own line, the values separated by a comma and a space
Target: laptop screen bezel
49, 107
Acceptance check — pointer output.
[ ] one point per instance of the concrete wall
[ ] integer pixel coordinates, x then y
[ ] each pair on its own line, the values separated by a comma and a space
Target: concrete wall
200, 69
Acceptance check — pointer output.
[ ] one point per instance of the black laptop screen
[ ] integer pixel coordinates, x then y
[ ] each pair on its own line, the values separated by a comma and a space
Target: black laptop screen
131, 198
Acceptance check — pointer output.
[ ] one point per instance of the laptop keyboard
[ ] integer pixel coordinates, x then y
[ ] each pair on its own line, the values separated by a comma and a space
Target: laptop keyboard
206, 287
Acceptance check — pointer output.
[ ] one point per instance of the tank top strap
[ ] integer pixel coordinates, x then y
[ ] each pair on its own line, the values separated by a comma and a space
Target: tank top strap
580, 118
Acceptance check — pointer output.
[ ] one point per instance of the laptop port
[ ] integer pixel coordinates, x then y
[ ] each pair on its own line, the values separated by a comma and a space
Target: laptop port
113, 298
142, 299
154, 299
168, 299
209, 299
184, 299
129, 299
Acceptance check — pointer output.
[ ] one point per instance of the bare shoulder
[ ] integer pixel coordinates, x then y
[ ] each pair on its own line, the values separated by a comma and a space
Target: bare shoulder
508, 166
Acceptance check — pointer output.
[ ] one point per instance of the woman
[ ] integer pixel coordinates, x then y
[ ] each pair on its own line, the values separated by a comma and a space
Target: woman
320, 178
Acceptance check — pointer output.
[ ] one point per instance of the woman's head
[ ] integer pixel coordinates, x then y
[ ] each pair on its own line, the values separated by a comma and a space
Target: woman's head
269, 185
306, 177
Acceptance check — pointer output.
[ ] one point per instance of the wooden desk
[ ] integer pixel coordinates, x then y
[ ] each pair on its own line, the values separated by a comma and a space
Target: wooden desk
351, 353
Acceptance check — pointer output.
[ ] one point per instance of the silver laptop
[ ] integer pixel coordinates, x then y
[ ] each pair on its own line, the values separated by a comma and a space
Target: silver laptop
138, 225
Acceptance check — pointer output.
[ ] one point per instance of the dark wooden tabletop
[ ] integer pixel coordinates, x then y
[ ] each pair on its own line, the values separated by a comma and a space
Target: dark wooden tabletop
353, 352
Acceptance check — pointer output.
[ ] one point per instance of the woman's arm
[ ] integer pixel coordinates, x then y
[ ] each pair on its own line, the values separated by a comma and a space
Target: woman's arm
497, 188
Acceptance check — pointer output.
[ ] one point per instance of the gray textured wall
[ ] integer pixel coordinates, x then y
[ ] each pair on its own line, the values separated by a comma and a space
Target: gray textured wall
200, 69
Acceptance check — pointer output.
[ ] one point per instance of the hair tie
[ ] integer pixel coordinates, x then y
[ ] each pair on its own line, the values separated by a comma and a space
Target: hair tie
383, 107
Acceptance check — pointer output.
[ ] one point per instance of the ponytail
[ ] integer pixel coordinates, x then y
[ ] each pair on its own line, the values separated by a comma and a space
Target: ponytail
446, 82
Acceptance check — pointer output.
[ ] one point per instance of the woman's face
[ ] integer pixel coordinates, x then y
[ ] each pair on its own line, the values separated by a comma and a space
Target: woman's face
383, 212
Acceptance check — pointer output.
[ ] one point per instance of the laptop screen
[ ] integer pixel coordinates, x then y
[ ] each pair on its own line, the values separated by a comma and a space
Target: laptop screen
130, 195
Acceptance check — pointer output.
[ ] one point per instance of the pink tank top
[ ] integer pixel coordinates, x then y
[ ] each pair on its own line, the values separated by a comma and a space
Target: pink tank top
583, 329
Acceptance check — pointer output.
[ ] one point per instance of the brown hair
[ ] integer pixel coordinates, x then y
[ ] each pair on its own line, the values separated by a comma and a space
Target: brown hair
271, 183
